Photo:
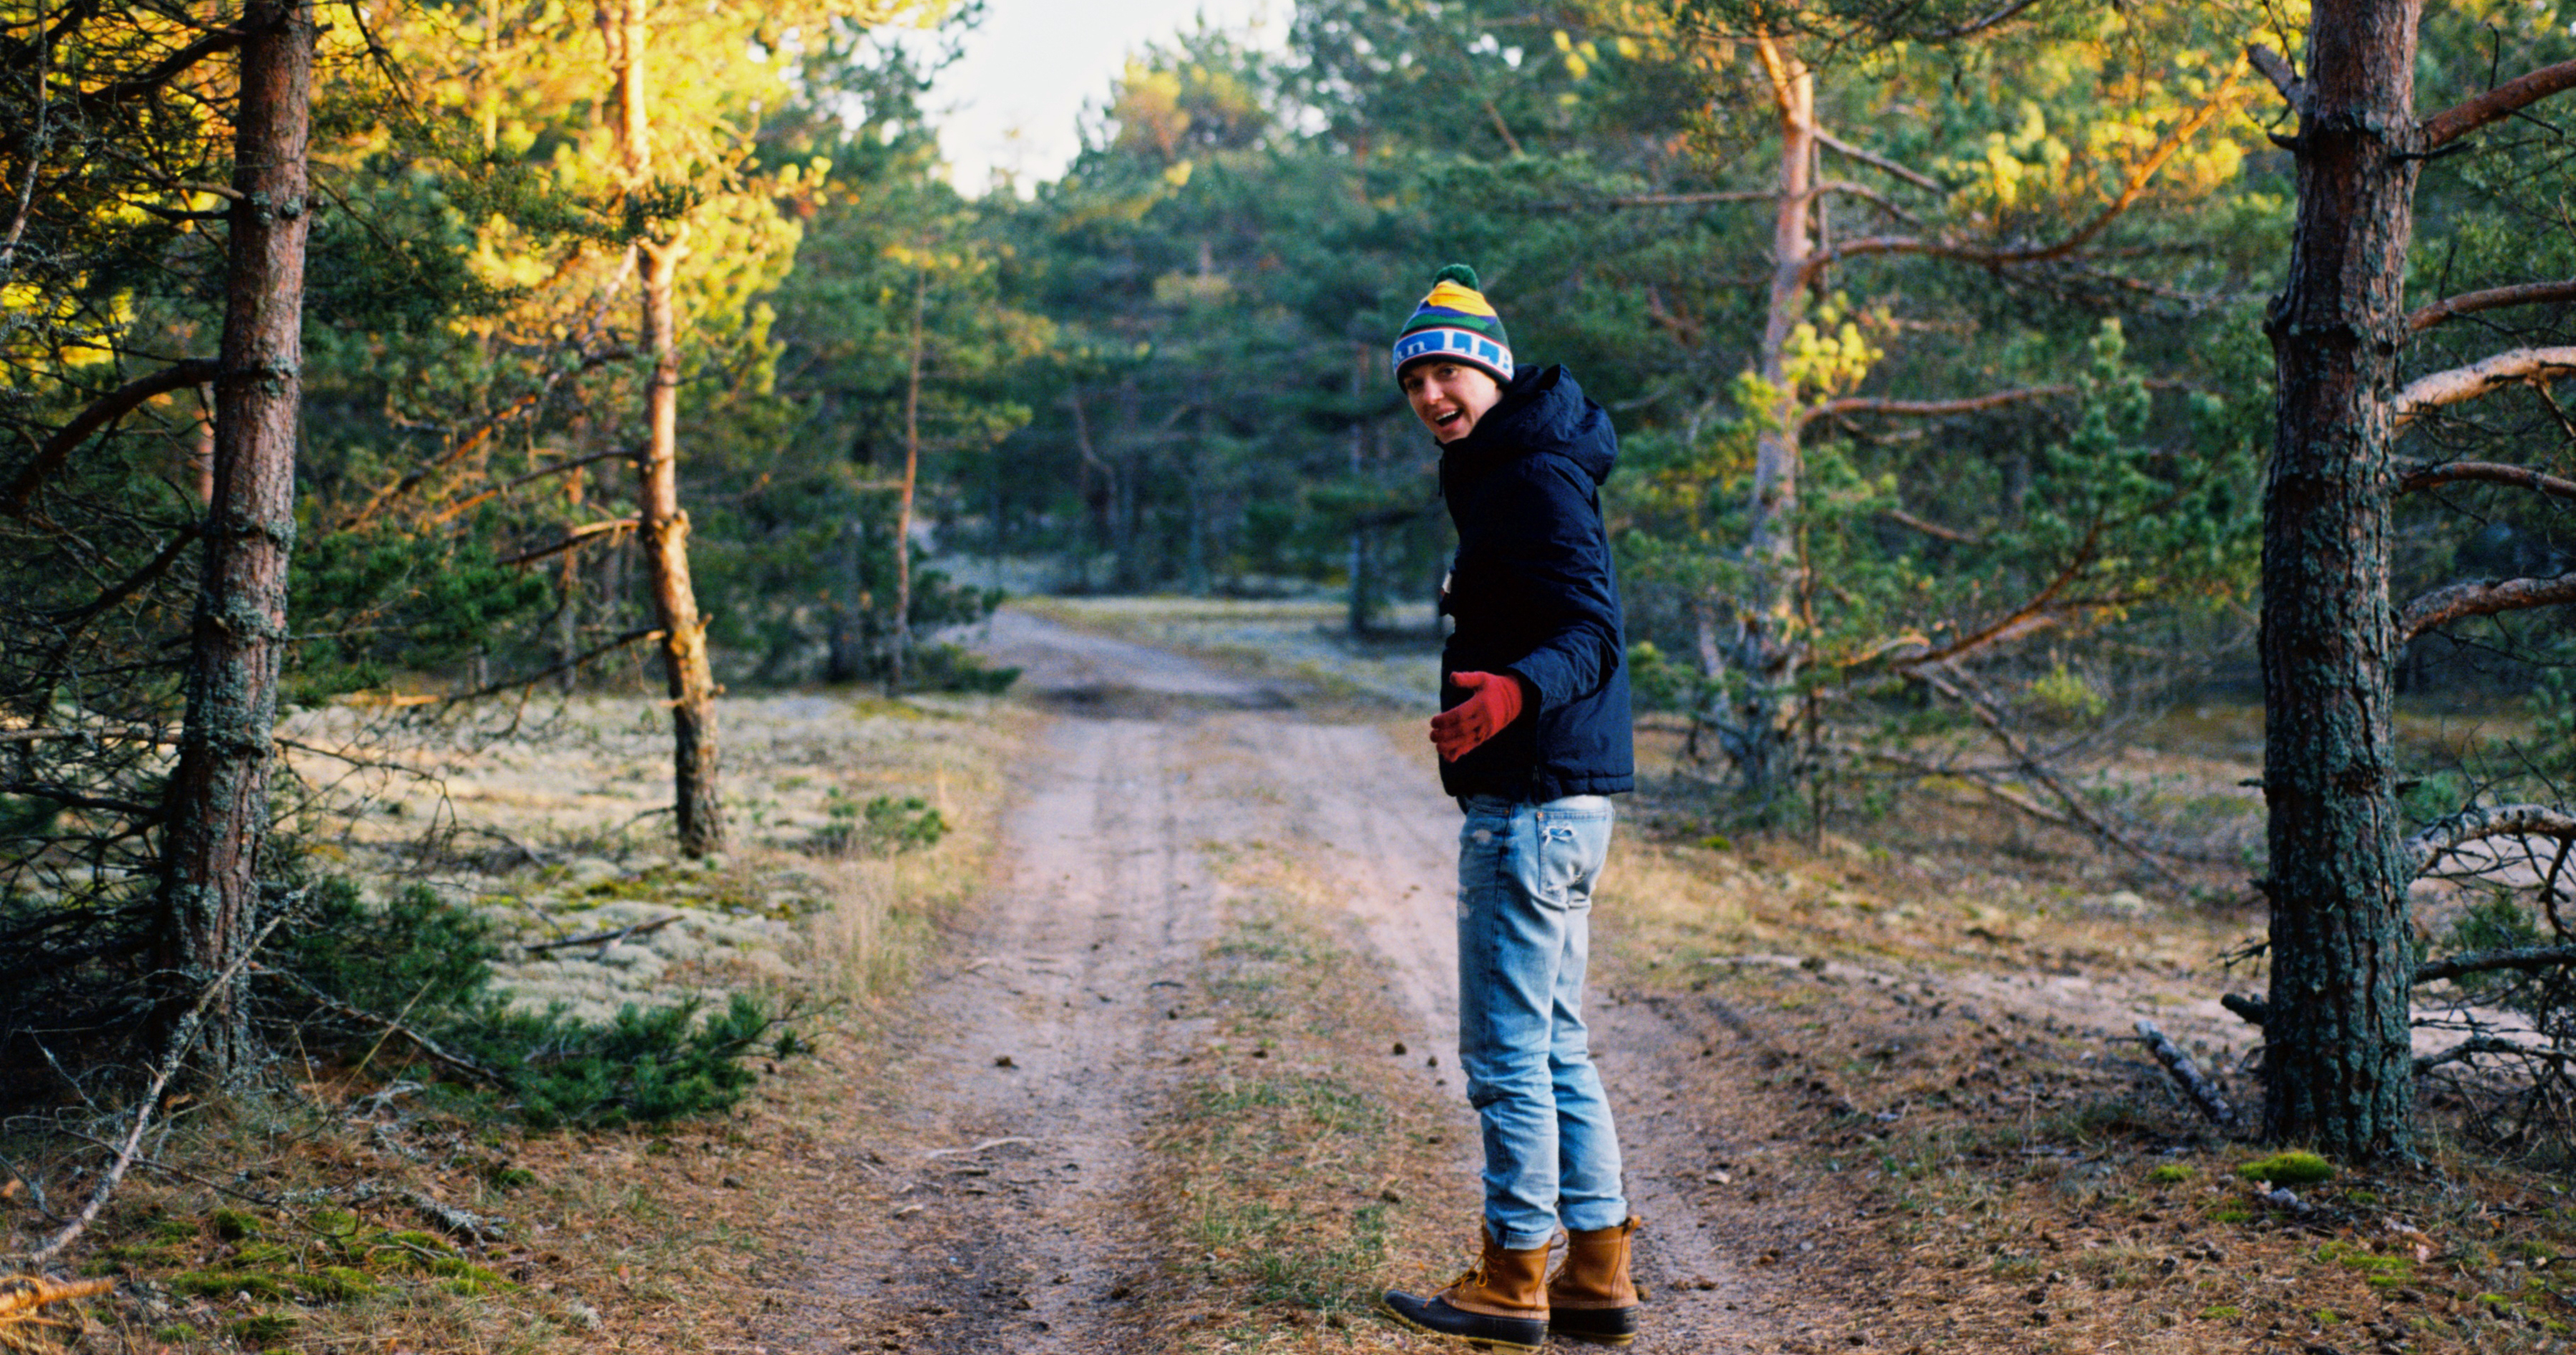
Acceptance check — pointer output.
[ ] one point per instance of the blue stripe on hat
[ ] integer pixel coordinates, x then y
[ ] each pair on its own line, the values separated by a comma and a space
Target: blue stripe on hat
1465, 345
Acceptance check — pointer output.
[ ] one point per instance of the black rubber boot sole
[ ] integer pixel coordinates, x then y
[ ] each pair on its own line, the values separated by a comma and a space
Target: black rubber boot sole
1435, 1316
1600, 1326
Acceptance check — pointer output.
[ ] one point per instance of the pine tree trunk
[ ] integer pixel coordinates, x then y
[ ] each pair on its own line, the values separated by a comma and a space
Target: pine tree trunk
568, 606
663, 529
1363, 602
843, 660
218, 796
902, 649
1131, 502
664, 532
2338, 1072
1769, 641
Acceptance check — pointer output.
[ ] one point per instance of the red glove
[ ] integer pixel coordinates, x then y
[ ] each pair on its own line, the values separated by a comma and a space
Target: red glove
1493, 701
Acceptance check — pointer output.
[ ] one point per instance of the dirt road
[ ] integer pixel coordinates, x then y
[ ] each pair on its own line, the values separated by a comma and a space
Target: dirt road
992, 1204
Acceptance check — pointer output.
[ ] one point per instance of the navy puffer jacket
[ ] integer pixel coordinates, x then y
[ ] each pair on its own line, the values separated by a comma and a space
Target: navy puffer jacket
1535, 595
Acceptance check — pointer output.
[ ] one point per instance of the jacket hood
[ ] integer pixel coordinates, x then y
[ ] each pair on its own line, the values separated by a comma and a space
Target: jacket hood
1542, 410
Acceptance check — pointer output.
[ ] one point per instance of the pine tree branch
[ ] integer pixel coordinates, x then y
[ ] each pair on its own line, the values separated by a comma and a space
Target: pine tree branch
2187, 1075
473, 501
2513, 367
454, 1063
2429, 475
2278, 71
215, 42
2070, 803
2478, 825
107, 409
1656, 200
2493, 298
2481, 597
1931, 529
1966, 404
1989, 257
1879, 162
2490, 961
576, 661
1975, 26
2037, 612
572, 538
2503, 101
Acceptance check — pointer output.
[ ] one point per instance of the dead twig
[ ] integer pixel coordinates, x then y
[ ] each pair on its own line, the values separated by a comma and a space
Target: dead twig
986, 1146
183, 1037
2187, 1076
463, 1223
602, 938
23, 1297
455, 1063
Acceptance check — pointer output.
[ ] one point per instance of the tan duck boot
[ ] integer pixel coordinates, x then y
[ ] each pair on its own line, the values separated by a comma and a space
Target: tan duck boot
1592, 1298
1499, 1305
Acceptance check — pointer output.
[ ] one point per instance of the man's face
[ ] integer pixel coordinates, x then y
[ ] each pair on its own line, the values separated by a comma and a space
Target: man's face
1449, 396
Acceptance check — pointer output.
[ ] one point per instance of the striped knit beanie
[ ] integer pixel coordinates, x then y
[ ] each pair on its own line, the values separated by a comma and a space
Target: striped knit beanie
1457, 323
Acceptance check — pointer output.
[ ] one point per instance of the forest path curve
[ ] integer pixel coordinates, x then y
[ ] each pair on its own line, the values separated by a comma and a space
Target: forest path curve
992, 1206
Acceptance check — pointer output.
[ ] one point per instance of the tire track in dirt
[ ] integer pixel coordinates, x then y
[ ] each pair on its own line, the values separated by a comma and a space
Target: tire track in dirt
996, 1218
992, 1206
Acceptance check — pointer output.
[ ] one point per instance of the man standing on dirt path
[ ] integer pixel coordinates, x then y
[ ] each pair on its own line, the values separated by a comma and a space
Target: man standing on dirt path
1533, 735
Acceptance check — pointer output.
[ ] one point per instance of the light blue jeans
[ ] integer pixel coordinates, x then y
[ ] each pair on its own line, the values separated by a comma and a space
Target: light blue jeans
1525, 878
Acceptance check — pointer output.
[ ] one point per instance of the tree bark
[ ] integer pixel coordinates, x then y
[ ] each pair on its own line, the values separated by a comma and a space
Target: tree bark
664, 533
2336, 1062
1769, 640
1363, 604
217, 804
902, 647
663, 529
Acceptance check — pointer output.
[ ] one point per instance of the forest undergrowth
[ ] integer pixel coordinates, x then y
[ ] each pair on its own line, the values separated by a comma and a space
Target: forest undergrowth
1917, 1028
363, 1202
1924, 1029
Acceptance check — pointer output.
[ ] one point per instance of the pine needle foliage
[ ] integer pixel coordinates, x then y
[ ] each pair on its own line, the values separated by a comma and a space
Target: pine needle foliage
427, 964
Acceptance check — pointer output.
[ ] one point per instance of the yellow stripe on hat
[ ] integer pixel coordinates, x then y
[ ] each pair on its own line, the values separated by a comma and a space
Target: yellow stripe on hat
1454, 297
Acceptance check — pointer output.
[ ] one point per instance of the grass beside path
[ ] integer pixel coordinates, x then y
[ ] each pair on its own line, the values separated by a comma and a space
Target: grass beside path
1309, 1160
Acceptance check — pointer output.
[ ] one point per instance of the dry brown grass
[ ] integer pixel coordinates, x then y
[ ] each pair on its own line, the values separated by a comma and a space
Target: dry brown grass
1928, 1052
1308, 1166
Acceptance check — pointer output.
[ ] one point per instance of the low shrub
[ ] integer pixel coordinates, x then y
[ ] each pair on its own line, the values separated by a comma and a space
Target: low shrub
428, 964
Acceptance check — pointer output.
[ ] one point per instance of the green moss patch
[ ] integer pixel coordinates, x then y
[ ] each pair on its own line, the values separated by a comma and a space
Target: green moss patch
2380, 1271
2292, 1168
217, 1284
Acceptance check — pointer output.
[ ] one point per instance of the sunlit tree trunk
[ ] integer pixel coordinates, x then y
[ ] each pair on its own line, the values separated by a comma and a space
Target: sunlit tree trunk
663, 530
2337, 1062
1769, 638
902, 649
218, 800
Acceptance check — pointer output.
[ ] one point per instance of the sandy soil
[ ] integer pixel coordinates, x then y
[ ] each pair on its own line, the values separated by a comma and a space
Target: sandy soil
988, 1204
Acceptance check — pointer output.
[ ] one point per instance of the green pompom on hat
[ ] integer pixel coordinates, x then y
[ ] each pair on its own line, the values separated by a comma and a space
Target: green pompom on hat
1456, 323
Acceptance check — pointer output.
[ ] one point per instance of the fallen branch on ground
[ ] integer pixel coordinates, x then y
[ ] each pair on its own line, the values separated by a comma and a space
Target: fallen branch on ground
2187, 1075
978, 1148
24, 1297
463, 1223
602, 938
